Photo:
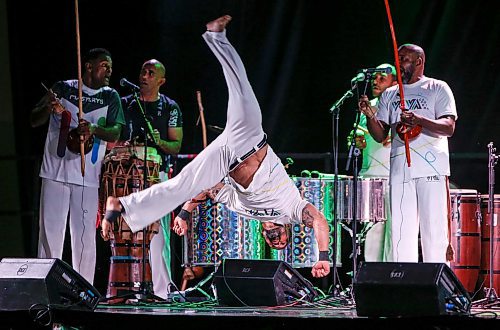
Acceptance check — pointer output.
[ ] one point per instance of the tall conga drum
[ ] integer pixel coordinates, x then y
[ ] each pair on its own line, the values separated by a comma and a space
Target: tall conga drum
466, 235
123, 174
487, 226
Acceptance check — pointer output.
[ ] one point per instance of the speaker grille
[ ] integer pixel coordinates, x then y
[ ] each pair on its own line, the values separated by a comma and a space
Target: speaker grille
409, 289
260, 283
53, 282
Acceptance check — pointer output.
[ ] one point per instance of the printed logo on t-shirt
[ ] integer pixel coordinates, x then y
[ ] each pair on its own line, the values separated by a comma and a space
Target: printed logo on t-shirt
411, 104
263, 212
174, 117
433, 178
87, 99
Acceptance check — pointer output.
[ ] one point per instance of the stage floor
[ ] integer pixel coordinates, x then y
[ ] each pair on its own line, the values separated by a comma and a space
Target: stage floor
327, 312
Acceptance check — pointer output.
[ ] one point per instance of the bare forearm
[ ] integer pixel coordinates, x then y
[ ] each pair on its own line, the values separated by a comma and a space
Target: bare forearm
172, 143
169, 147
203, 196
311, 217
110, 134
190, 206
322, 233
377, 129
442, 126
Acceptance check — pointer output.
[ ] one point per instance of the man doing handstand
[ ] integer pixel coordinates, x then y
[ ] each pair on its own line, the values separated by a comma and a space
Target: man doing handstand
238, 169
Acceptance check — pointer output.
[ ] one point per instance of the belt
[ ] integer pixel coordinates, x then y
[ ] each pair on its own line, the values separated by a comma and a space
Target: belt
239, 160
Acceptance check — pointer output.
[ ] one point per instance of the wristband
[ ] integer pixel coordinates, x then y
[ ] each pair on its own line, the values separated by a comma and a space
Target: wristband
184, 215
112, 215
323, 256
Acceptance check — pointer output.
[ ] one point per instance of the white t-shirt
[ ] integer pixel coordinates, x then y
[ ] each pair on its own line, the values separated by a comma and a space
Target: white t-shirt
271, 196
429, 154
376, 156
101, 106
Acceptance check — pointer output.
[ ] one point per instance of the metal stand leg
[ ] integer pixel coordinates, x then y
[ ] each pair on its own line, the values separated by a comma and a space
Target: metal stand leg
491, 298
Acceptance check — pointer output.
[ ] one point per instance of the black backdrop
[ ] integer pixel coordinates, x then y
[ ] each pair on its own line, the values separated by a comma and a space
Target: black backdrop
299, 55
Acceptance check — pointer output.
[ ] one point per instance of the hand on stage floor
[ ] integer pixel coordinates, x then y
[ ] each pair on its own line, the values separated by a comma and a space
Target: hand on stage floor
321, 269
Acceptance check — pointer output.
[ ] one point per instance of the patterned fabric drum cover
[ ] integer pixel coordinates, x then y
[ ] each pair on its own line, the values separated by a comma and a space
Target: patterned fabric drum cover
218, 233
303, 250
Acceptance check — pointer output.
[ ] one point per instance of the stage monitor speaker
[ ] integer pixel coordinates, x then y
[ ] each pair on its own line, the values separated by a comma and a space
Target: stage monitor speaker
409, 289
242, 282
25, 283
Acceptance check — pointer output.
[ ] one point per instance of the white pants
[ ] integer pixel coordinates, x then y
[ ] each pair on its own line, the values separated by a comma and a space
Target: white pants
420, 204
242, 132
159, 258
56, 200
378, 242
159, 255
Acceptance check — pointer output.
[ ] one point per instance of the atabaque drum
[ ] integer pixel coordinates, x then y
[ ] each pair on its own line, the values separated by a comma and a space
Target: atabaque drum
126, 172
303, 250
466, 235
370, 204
490, 225
217, 233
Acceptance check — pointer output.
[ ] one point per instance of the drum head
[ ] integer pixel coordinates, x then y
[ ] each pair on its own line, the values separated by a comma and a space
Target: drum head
463, 192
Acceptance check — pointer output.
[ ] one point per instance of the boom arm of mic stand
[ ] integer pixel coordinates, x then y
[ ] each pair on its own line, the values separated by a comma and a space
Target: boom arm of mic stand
336, 105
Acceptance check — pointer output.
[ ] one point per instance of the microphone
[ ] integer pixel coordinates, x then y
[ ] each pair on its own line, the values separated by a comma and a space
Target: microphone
125, 83
359, 77
362, 74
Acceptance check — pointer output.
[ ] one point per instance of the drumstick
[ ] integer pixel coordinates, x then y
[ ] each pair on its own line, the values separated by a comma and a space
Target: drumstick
202, 117
80, 88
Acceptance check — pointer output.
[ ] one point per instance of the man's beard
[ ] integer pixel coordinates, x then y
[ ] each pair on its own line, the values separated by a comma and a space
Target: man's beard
407, 73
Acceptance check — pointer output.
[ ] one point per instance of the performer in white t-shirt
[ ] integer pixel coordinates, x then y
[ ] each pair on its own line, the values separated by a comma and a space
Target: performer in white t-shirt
419, 194
64, 191
257, 186
376, 158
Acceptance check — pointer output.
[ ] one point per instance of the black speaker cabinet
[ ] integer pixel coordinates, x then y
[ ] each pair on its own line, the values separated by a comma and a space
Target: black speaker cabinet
409, 289
260, 283
51, 282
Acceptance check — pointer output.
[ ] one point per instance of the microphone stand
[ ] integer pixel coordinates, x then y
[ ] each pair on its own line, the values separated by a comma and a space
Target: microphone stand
353, 150
335, 111
491, 297
145, 293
